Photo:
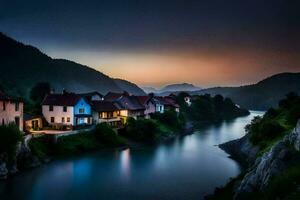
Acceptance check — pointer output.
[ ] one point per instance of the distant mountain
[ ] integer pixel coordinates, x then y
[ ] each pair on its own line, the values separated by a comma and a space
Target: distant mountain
150, 90
129, 87
262, 95
172, 88
22, 66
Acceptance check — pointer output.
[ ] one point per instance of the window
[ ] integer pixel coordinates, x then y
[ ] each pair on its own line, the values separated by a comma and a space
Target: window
52, 119
68, 119
81, 110
50, 108
17, 106
2, 121
65, 108
63, 120
4, 106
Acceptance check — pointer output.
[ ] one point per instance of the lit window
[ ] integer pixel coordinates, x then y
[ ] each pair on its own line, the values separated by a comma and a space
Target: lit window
68, 119
81, 110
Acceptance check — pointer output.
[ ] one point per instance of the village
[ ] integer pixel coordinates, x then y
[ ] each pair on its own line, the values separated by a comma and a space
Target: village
65, 113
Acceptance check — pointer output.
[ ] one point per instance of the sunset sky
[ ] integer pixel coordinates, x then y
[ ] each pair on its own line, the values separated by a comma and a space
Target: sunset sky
157, 42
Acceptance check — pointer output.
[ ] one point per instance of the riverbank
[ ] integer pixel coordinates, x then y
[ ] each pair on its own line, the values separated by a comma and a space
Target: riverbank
270, 154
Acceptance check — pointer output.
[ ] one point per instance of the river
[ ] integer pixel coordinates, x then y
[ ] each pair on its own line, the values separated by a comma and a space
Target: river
186, 168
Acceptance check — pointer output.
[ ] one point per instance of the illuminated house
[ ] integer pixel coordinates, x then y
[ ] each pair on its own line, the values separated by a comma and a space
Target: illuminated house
129, 104
107, 112
67, 109
151, 104
11, 111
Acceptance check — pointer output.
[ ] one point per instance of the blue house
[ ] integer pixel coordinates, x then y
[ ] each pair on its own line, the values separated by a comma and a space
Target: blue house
67, 109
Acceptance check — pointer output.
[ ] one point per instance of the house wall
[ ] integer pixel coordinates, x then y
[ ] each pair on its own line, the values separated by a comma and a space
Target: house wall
9, 114
87, 110
58, 114
150, 108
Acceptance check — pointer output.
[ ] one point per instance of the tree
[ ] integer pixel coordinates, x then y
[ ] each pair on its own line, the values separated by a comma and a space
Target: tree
39, 91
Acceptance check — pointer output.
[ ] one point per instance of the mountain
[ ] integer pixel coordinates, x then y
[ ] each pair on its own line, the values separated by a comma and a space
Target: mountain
150, 90
129, 87
262, 95
172, 88
22, 66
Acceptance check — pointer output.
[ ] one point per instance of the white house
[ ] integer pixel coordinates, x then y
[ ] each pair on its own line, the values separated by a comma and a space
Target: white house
66, 109
11, 111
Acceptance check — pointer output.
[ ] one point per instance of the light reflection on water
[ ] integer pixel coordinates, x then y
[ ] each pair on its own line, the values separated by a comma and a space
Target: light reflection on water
186, 168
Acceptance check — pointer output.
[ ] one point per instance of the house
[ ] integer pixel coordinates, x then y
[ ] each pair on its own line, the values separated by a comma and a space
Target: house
33, 123
169, 103
11, 110
107, 112
67, 109
151, 104
129, 104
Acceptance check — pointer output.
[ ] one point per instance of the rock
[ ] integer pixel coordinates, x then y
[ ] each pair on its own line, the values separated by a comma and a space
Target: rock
241, 150
272, 163
3, 170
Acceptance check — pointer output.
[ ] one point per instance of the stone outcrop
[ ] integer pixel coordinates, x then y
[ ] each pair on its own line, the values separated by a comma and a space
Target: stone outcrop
23, 159
241, 150
282, 155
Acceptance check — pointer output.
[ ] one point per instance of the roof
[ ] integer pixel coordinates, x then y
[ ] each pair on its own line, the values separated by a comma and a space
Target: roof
143, 99
104, 106
168, 101
130, 103
112, 96
68, 99
6, 97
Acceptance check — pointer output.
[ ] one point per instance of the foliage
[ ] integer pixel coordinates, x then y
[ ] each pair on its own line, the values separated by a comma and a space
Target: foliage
42, 147
76, 143
275, 123
39, 91
143, 130
170, 118
207, 108
10, 136
108, 136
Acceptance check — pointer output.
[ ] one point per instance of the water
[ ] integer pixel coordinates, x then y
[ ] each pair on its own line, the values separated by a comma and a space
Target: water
186, 168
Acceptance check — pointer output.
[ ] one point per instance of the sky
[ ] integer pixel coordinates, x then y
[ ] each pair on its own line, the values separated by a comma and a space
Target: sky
158, 42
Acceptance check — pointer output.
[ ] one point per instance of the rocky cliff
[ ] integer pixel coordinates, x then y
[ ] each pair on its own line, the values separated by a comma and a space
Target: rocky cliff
23, 160
283, 154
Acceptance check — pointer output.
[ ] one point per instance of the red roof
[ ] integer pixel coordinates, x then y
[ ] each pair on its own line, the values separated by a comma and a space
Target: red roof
143, 99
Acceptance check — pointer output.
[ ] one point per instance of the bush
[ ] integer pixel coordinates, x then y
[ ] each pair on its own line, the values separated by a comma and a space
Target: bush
108, 136
143, 130
170, 118
10, 136
263, 129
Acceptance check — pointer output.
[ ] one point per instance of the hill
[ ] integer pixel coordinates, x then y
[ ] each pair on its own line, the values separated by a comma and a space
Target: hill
129, 87
22, 66
172, 88
262, 95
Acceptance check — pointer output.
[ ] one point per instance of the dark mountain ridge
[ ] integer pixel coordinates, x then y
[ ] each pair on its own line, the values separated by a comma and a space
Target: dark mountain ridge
262, 95
22, 66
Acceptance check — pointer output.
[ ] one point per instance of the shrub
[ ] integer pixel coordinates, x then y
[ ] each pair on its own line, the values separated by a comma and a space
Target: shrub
10, 136
143, 130
108, 136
